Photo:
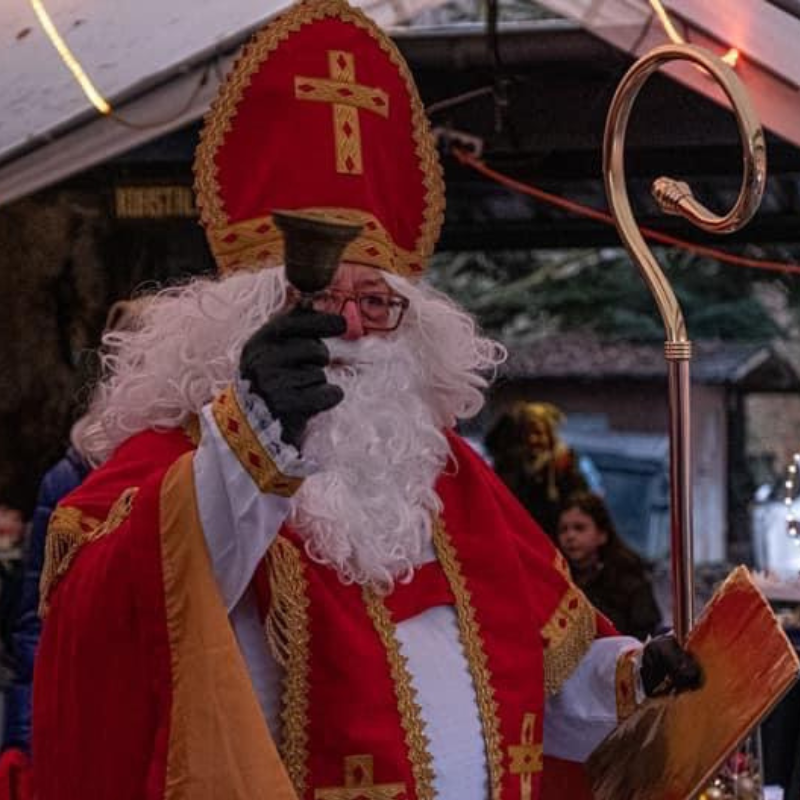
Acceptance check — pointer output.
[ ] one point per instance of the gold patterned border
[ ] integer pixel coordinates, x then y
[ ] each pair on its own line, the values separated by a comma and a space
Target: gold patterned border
236, 430
625, 684
568, 634
474, 649
526, 758
67, 532
410, 713
359, 783
346, 97
288, 635
330, 90
259, 239
220, 117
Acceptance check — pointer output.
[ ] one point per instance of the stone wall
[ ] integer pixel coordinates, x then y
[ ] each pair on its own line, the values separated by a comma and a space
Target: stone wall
64, 259
773, 433
54, 297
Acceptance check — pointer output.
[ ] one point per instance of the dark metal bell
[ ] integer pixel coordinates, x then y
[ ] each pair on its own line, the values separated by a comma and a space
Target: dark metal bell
313, 247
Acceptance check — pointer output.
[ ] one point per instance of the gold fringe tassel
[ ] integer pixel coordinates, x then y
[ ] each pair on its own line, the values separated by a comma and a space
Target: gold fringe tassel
289, 638
67, 532
569, 634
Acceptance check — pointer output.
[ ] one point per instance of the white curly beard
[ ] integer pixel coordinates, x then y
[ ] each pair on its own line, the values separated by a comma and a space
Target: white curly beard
368, 511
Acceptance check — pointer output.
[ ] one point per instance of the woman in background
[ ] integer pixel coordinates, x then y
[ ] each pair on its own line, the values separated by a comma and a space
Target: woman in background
610, 574
534, 462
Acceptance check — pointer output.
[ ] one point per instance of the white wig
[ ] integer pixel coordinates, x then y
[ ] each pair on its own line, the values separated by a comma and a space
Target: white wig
187, 343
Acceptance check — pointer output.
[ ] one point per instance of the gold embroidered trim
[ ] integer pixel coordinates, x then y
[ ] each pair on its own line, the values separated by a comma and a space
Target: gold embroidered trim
236, 430
260, 240
346, 97
567, 636
474, 649
342, 91
288, 635
219, 119
65, 534
359, 783
626, 684
347, 140
116, 516
68, 530
526, 757
410, 713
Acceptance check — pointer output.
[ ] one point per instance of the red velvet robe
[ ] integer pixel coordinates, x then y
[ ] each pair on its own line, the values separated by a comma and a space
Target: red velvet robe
141, 692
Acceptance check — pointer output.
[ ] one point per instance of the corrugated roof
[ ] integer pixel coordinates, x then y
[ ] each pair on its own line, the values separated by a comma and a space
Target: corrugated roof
120, 45
587, 357
158, 63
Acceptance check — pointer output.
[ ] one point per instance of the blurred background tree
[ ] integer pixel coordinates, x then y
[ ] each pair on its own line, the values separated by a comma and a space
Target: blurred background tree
520, 296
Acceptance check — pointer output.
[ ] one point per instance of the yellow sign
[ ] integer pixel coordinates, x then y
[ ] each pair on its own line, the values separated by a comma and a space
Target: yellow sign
154, 202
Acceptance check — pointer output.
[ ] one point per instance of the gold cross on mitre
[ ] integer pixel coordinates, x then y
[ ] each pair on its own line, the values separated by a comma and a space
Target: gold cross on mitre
347, 97
359, 785
526, 757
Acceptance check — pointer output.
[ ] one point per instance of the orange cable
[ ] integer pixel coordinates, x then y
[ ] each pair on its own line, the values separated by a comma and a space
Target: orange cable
604, 216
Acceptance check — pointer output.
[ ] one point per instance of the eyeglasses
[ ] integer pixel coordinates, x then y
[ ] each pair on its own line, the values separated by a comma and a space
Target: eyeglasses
380, 311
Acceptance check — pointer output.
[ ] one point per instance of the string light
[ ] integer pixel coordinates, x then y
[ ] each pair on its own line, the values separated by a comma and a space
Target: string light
731, 58
666, 22
95, 98
792, 523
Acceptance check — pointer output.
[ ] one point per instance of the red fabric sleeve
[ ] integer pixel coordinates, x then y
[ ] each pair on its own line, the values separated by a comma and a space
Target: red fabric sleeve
103, 675
16, 776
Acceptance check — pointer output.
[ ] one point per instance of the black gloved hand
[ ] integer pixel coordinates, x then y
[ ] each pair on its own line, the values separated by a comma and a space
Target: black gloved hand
667, 667
284, 361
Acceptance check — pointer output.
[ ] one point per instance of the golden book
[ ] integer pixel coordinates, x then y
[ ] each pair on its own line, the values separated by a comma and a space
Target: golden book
672, 746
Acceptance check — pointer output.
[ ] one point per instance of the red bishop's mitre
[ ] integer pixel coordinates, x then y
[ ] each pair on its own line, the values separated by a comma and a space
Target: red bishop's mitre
320, 113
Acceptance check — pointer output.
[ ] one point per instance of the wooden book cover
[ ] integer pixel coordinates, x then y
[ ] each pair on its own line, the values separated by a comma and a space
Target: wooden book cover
671, 747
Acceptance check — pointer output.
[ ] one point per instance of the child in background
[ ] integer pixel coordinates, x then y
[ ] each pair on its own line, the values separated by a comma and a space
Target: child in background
610, 574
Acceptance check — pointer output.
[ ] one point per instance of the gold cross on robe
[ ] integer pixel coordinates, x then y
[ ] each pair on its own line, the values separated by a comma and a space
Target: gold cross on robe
526, 757
359, 784
346, 97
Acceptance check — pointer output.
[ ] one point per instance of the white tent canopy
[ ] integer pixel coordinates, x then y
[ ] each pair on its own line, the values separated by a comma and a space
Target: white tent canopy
766, 33
158, 62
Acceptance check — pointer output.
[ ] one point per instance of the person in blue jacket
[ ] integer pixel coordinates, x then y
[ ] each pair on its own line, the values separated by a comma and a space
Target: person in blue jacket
61, 479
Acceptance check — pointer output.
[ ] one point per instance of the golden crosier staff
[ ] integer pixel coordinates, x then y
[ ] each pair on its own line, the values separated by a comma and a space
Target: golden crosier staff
675, 197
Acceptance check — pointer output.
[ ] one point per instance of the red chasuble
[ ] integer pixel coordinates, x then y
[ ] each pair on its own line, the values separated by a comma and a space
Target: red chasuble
141, 692
518, 616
